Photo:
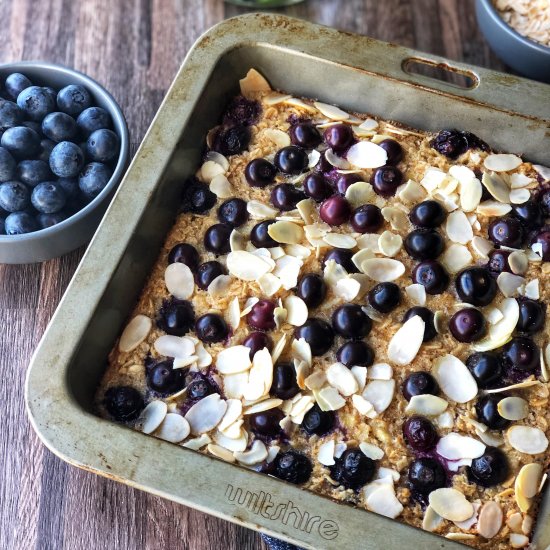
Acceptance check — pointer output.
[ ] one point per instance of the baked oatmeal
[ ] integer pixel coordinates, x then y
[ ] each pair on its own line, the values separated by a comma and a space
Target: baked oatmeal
355, 307
531, 18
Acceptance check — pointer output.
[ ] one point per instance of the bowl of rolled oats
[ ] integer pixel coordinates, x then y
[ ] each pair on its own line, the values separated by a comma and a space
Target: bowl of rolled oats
519, 33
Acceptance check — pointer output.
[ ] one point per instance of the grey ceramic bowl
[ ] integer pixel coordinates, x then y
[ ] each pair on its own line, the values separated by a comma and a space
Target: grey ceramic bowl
527, 57
78, 229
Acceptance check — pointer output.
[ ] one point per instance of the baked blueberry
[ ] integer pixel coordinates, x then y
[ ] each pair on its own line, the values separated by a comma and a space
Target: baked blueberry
207, 272
355, 353
211, 328
541, 245
305, 135
420, 433
432, 276
19, 223
67, 160
353, 469
261, 315
419, 383
260, 172
507, 232
231, 141
10, 115
350, 321
15, 83
317, 187
216, 238
291, 160
176, 317
498, 262
486, 368
312, 289
48, 197
7, 165
467, 325
21, 142
529, 213
487, 412
73, 99
185, 253
266, 423
164, 379
386, 180
427, 316
259, 236
335, 210
14, 196
123, 403
317, 333
490, 469
292, 466
426, 475
102, 145
453, 143
338, 137
93, 178
544, 201
531, 316
345, 180
342, 256
286, 196
428, 214
424, 244
284, 385
36, 102
394, 151
476, 286
318, 422
92, 119
32, 172
59, 127
257, 341
199, 389
522, 354
367, 219
242, 111
384, 297
233, 212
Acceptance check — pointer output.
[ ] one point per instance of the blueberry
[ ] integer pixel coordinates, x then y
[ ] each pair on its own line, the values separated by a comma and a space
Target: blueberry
542, 242
14, 196
292, 466
164, 379
93, 179
476, 286
51, 92
291, 159
429, 214
69, 186
490, 469
353, 469
312, 289
2, 225
529, 213
102, 145
338, 136
67, 160
233, 212
59, 127
305, 135
498, 262
344, 181
426, 475
176, 317
32, 172
211, 328
453, 143
486, 367
317, 187
36, 102
46, 148
522, 354
16, 83
7, 165
257, 341
531, 316
335, 211
317, 333
185, 253
216, 238
48, 197
259, 235
199, 389
350, 321
384, 297
507, 232
242, 111
427, 316
73, 99
286, 196
284, 385
197, 197
207, 272
420, 433
394, 151
123, 403
266, 423
342, 256
432, 276
419, 383
355, 353
386, 180
261, 315
10, 115
424, 244
467, 325
49, 220
231, 141
21, 142
92, 119
318, 422
367, 219
260, 172
487, 412
33, 125
19, 223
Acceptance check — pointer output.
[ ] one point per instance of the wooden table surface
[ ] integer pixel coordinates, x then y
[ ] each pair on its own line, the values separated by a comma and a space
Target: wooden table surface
134, 48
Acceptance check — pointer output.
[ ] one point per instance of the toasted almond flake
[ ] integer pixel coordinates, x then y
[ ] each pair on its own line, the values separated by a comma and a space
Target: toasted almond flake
501, 162
379, 393
204, 358
470, 193
297, 312
482, 246
497, 186
396, 217
380, 371
360, 374
336, 161
329, 399
298, 251
218, 158
339, 240
179, 281
256, 454
278, 348
532, 289
458, 227
518, 262
220, 452
233, 431
331, 111
432, 520
445, 420
246, 265
275, 98
174, 428
260, 211
513, 408
411, 192
287, 269
517, 180
333, 272
233, 444
383, 269
341, 378
542, 171
316, 380
313, 158
454, 446
234, 384
220, 186
174, 346
365, 154
471, 521
209, 170
514, 522
278, 137
433, 178
509, 284
359, 193
206, 414
455, 379
406, 342
237, 241
135, 333
348, 289
416, 293
325, 455
494, 315
450, 504
369, 124
286, 232
527, 484
152, 416
527, 524
301, 350
232, 414
219, 285
384, 502
198, 442
264, 405
490, 519
306, 208
371, 451
427, 405
518, 541
234, 313
253, 82
493, 209
527, 439
390, 243
519, 196
456, 258
518, 386
362, 406
269, 284
233, 360
299, 104
490, 439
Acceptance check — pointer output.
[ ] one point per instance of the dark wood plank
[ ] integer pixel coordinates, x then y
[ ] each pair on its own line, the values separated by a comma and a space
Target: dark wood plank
134, 47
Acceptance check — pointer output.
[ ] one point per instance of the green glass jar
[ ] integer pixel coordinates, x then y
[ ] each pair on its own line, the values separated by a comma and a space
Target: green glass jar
264, 3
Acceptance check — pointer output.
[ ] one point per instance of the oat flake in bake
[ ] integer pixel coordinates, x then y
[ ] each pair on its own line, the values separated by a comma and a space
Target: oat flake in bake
356, 307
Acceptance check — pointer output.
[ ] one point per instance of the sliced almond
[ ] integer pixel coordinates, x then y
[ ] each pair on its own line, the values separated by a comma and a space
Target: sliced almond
445, 420
179, 281
232, 414
197, 443
336, 161
518, 262
490, 439
527, 484
256, 454
329, 399
384, 502
247, 266
501, 162
509, 284
390, 243
220, 452
411, 192
365, 154
542, 171
518, 386
341, 378
454, 446
482, 246
440, 322
527, 439
278, 137
233, 360
406, 342
286, 232
220, 186
299, 104
209, 170
518, 540
330, 111
380, 371
135, 333
458, 227
396, 217
287, 270
359, 193
316, 380
253, 82
450, 504
264, 405
456, 258
470, 192
152, 416
362, 406
518, 180
174, 428
275, 98
234, 384
371, 451
426, 405
432, 520
325, 454
532, 289
174, 346
513, 408
233, 444
339, 240
455, 379
519, 196
433, 178
383, 269
260, 211
297, 312
380, 394
278, 348
493, 209
490, 519
360, 374
348, 289
495, 184
206, 414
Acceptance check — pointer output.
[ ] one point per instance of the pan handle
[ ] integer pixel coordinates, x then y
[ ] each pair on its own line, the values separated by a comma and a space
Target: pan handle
431, 71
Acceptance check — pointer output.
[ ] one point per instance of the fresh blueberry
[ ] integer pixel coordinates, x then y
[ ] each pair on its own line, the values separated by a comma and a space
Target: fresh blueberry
286, 196
317, 187
490, 469
15, 84
291, 160
176, 317
531, 316
266, 423
384, 297
2, 225
353, 469
216, 238
522, 354
49, 220
199, 389
386, 180
36, 102
344, 181
184, 253
59, 127
318, 422
103, 145
21, 142
231, 141
394, 151
233, 212
338, 136
419, 383
432, 276
123, 403
317, 333
355, 353
507, 232
467, 325
257, 341
211, 328
342, 256
260, 237
487, 412
14, 196
498, 262
196, 197
476, 286
261, 315
424, 244
260, 172
69, 186
48, 197
164, 379
92, 119
427, 316
73, 99
292, 466
420, 433
32, 172
305, 135
46, 148
18, 223
312, 289
51, 92
486, 368
335, 211
93, 178
284, 385
7, 165
207, 272
67, 160
453, 143
350, 321
33, 125
10, 115
367, 219
426, 475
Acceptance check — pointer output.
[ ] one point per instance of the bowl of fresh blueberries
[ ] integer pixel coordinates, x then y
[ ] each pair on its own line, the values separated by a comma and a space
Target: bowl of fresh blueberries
63, 150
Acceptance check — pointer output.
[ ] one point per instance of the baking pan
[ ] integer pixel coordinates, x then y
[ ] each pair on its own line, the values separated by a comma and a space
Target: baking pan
353, 71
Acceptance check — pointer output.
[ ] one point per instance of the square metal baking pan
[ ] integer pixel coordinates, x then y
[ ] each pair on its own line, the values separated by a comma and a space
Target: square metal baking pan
353, 71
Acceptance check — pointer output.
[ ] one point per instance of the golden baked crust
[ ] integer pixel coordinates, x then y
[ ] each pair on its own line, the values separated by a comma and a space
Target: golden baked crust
385, 429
